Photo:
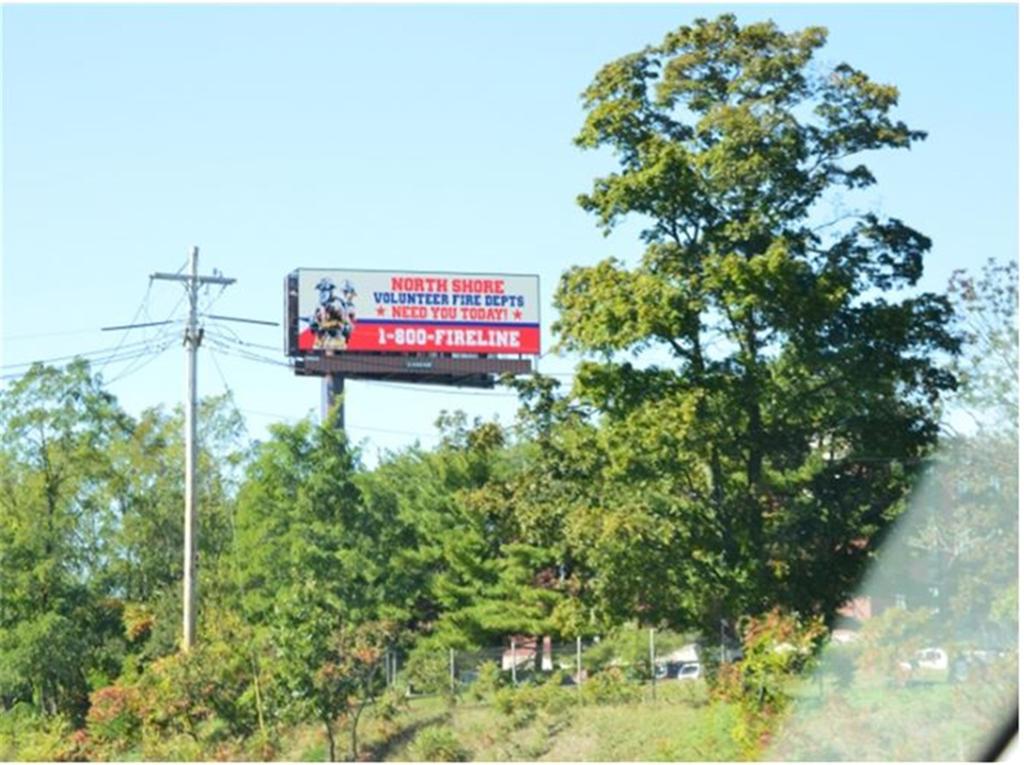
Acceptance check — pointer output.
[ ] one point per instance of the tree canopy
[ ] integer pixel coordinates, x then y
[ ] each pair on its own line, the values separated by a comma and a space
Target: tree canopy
799, 390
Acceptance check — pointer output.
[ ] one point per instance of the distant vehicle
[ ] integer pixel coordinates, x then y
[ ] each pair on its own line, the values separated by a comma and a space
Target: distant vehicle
677, 670
927, 658
689, 671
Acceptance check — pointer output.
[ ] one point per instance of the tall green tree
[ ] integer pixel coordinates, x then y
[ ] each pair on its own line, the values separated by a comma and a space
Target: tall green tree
965, 524
786, 396
314, 567
57, 428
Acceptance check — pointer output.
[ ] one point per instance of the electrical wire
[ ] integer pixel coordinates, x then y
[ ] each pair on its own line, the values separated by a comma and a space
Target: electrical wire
124, 334
243, 354
125, 354
35, 335
436, 389
356, 426
236, 339
148, 359
112, 351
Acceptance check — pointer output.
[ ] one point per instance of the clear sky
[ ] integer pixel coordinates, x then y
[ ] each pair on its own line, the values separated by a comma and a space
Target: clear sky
405, 137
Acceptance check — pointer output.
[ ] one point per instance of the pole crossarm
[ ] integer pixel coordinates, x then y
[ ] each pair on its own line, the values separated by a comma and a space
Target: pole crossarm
135, 326
193, 279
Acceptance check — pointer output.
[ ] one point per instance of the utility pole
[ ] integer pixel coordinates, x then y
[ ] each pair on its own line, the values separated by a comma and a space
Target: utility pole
193, 337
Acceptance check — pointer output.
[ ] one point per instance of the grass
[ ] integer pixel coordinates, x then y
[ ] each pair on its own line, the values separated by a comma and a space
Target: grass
679, 726
926, 720
868, 721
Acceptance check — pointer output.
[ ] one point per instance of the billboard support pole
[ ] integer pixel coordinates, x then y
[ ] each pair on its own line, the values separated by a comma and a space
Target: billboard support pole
333, 389
193, 337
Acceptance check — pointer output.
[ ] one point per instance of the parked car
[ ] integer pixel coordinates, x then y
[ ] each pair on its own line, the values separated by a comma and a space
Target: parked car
690, 670
927, 658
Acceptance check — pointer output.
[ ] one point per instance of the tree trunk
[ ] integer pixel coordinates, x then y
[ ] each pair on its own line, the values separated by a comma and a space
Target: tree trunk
354, 740
331, 753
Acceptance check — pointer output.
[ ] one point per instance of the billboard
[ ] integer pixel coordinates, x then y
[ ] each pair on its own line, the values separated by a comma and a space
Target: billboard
338, 310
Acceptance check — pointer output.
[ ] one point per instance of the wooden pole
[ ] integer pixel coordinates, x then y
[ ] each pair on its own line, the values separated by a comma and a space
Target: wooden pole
514, 682
654, 680
579, 667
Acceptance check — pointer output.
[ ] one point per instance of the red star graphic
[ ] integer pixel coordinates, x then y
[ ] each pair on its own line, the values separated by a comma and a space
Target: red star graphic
517, 313
380, 310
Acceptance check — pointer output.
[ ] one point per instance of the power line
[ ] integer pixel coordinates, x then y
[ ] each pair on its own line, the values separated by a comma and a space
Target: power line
124, 334
236, 339
130, 370
113, 351
228, 350
125, 354
391, 432
436, 389
67, 333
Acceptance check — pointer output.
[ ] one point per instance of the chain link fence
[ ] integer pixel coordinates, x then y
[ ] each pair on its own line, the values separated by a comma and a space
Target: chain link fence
646, 658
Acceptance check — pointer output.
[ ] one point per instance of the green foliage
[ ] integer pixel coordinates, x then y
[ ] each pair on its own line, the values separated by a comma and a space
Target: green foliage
776, 648
964, 523
489, 679
628, 647
439, 744
28, 736
891, 638
840, 662
610, 686
986, 311
762, 407
522, 704
113, 721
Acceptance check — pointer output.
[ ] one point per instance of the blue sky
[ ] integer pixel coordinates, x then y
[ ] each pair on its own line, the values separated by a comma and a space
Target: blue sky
405, 137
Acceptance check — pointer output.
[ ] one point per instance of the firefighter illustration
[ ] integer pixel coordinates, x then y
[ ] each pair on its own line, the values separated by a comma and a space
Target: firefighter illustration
335, 317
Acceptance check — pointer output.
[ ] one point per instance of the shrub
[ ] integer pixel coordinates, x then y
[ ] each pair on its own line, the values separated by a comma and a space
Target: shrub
890, 638
488, 680
427, 671
439, 744
519, 705
48, 738
840, 662
776, 647
113, 718
610, 686
386, 710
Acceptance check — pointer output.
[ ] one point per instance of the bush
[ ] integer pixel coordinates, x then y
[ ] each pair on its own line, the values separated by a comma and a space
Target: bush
519, 705
113, 719
840, 662
610, 687
488, 680
776, 647
427, 671
39, 738
893, 637
439, 744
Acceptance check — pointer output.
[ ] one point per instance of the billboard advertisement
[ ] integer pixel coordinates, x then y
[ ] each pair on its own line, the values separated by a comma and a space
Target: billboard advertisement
340, 310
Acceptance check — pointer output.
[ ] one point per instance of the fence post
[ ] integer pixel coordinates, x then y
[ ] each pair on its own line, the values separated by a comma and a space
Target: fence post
514, 682
451, 668
579, 667
654, 680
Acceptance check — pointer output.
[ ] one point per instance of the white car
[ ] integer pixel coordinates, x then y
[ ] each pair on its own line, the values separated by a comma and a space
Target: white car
689, 671
927, 658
